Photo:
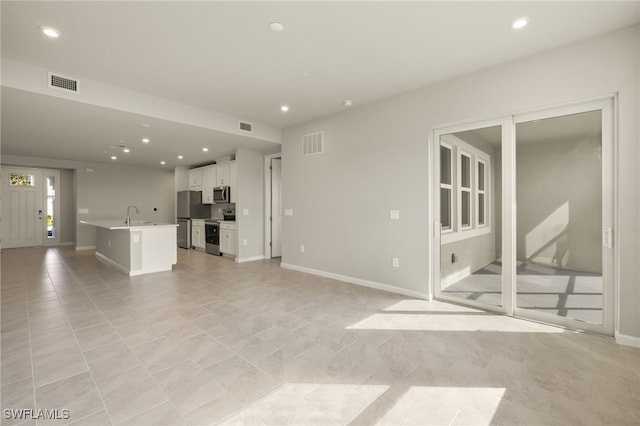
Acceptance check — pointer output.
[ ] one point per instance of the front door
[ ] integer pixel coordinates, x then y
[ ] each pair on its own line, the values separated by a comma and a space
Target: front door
22, 208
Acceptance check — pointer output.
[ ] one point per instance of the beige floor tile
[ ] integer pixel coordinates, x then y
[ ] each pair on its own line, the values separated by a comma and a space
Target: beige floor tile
57, 365
77, 394
99, 335
164, 414
110, 359
137, 332
45, 341
204, 349
158, 354
214, 412
243, 418
101, 418
241, 379
129, 393
15, 366
345, 402
17, 395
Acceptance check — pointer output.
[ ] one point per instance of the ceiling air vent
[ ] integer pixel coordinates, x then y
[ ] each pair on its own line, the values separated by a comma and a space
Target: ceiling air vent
312, 144
64, 83
246, 127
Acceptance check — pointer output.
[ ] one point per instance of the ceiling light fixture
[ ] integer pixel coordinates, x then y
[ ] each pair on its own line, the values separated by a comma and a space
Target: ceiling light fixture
126, 150
180, 157
113, 157
284, 108
347, 103
304, 75
276, 27
205, 149
50, 32
146, 125
163, 162
145, 140
519, 23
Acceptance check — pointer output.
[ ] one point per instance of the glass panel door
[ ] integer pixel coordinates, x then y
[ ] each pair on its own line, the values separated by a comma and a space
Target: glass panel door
470, 203
559, 181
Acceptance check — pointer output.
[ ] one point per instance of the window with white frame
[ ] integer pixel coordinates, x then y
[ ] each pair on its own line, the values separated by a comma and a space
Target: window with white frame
464, 189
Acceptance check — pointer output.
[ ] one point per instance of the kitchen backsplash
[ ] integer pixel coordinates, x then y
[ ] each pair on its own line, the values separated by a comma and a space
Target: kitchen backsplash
217, 209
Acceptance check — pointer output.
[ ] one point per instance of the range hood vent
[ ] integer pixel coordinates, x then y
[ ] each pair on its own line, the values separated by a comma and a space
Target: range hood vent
61, 82
246, 127
312, 143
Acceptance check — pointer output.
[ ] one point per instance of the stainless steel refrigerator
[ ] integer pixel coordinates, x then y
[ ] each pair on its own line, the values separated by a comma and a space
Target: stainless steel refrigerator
189, 207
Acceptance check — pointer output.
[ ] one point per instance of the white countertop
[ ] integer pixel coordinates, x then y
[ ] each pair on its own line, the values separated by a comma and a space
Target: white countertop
120, 224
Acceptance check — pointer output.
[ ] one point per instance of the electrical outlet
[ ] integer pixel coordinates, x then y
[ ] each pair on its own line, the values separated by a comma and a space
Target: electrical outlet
394, 214
454, 258
288, 212
244, 241
301, 248
395, 262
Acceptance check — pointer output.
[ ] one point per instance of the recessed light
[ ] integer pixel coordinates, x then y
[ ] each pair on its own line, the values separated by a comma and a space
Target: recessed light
145, 140
519, 23
163, 162
126, 150
146, 125
304, 75
276, 27
113, 157
180, 157
50, 32
347, 103
205, 149
284, 108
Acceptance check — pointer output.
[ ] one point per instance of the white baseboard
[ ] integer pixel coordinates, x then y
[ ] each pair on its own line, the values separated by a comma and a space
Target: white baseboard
623, 339
78, 248
68, 243
112, 263
249, 259
359, 281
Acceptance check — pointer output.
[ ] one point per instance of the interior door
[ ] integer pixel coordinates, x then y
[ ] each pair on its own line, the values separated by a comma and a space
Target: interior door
22, 208
276, 207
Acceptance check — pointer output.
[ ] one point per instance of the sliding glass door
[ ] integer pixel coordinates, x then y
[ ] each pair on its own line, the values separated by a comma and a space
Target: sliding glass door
525, 215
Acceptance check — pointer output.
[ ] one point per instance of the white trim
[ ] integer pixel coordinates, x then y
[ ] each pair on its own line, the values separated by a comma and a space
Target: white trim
267, 202
623, 339
249, 259
78, 248
112, 263
358, 281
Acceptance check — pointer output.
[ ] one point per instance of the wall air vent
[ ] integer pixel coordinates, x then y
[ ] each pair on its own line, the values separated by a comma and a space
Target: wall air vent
65, 83
246, 127
312, 143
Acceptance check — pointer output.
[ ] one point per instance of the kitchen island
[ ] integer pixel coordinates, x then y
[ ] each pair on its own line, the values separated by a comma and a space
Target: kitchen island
138, 248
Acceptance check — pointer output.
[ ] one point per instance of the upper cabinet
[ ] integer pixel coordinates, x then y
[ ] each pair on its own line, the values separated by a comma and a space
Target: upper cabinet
209, 182
196, 177
222, 173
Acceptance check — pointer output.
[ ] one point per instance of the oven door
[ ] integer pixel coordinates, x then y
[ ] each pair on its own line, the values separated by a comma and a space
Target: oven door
212, 237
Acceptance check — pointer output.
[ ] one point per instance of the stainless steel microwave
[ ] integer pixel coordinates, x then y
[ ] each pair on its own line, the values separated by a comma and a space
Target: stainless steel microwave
221, 194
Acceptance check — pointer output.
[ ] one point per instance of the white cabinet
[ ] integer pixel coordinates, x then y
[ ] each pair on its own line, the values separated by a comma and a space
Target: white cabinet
197, 234
222, 173
228, 238
196, 179
233, 181
209, 182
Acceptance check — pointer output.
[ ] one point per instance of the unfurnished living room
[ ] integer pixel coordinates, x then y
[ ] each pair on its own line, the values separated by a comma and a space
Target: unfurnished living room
320, 212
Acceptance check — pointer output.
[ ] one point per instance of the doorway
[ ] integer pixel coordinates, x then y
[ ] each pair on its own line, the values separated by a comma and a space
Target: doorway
31, 207
273, 208
525, 214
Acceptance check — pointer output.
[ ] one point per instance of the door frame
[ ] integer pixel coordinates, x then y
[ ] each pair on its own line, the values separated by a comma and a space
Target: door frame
610, 261
40, 202
267, 202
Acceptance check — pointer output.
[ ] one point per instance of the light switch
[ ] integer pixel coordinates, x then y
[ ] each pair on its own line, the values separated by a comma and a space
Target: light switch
395, 262
136, 238
288, 212
394, 214
245, 212
83, 211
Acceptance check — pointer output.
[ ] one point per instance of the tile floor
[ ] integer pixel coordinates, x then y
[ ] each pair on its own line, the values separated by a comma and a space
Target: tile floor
215, 342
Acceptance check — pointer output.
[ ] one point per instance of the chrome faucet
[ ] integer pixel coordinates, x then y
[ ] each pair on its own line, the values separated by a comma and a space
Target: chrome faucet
128, 222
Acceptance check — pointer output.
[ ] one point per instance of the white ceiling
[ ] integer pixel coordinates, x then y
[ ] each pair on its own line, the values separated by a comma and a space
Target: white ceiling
221, 56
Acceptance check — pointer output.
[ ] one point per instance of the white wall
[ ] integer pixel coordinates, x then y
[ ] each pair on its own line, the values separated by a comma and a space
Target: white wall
250, 187
67, 207
376, 159
108, 189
